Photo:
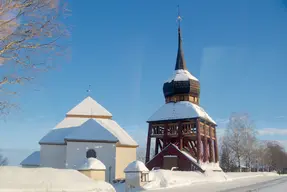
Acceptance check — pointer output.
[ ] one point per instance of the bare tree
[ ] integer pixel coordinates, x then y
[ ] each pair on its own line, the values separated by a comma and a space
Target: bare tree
233, 136
260, 156
141, 153
30, 33
3, 160
227, 160
249, 140
277, 157
240, 136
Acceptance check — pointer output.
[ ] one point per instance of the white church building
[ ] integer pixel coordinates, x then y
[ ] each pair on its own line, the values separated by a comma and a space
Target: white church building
87, 131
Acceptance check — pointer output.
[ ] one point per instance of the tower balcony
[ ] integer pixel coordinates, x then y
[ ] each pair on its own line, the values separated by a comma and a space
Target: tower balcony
188, 129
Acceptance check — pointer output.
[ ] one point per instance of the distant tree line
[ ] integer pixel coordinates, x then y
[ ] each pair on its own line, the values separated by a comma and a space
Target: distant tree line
241, 150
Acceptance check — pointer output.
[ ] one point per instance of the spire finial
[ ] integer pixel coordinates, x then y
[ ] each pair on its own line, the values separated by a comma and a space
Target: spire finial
89, 90
178, 17
180, 62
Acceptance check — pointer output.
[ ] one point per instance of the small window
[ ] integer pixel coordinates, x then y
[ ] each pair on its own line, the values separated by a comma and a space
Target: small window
144, 177
91, 153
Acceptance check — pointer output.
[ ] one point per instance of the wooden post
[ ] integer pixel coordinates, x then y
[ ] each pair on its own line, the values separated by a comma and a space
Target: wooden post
165, 135
156, 145
211, 156
198, 136
180, 138
215, 147
205, 158
147, 156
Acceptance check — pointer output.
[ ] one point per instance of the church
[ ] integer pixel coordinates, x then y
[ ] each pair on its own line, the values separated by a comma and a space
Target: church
88, 130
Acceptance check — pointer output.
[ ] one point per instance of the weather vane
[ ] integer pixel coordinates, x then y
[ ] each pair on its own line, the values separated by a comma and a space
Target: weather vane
89, 90
179, 18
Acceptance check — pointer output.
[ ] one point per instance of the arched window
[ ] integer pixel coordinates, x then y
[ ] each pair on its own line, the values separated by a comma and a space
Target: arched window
91, 153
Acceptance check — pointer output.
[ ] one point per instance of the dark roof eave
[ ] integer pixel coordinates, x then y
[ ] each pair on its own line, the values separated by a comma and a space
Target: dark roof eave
180, 119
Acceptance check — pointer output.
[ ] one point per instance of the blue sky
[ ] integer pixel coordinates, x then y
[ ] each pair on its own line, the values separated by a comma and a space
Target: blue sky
127, 49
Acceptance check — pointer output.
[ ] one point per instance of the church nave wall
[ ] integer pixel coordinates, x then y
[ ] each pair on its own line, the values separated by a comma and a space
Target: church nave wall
53, 156
105, 152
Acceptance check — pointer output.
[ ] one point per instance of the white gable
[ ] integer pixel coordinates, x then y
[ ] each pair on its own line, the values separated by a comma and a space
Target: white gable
180, 110
89, 107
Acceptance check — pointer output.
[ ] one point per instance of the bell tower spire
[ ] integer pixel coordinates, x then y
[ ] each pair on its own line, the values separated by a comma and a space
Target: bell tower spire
180, 61
183, 86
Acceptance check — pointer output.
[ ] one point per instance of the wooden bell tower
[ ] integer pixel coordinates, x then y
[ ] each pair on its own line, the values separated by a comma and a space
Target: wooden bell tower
181, 122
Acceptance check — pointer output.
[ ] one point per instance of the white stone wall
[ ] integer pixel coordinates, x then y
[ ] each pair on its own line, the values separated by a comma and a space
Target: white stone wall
53, 156
106, 153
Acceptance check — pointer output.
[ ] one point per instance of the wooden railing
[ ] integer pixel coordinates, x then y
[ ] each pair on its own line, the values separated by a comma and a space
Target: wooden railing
187, 128
157, 129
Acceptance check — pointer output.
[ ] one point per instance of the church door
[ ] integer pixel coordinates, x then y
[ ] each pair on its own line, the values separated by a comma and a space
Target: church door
170, 161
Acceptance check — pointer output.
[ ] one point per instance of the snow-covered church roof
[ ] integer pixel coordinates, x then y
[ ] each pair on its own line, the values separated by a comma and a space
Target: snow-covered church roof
32, 160
180, 110
89, 107
81, 126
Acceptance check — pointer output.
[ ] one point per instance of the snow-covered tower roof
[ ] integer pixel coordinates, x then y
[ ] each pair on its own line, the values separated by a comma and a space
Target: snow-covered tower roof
180, 110
136, 166
92, 164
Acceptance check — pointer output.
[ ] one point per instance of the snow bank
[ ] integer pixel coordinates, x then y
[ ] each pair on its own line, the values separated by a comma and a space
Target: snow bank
161, 179
19, 179
167, 178
210, 166
245, 175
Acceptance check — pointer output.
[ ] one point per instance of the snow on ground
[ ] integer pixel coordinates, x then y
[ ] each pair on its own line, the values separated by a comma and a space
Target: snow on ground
17, 179
239, 185
172, 180
277, 185
244, 175
168, 179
